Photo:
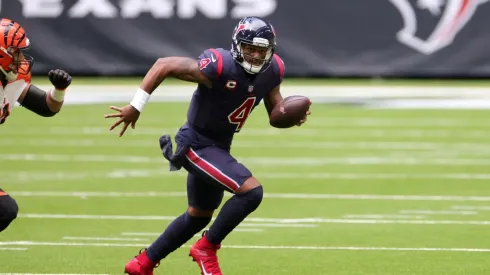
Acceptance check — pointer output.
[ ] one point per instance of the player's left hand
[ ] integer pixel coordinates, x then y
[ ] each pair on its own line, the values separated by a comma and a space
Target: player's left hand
127, 114
60, 79
305, 117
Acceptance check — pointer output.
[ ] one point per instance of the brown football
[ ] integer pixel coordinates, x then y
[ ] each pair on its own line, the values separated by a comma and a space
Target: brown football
289, 112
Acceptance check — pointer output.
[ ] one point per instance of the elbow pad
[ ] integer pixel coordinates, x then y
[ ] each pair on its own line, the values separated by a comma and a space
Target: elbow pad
35, 101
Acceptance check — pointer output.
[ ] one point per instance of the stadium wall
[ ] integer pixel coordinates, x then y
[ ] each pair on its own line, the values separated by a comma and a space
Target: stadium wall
323, 38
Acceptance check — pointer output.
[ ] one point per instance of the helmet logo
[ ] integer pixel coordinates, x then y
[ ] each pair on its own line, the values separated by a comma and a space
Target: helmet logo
238, 29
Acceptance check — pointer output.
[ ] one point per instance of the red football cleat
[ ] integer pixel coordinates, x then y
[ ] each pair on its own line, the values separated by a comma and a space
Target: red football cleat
204, 254
140, 265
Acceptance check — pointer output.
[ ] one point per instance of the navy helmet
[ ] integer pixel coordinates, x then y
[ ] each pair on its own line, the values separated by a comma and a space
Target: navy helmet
257, 32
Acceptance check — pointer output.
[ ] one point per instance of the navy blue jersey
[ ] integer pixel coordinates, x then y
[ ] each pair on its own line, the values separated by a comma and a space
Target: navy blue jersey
222, 110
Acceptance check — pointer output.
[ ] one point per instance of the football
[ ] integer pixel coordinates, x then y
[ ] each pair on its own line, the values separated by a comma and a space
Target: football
289, 112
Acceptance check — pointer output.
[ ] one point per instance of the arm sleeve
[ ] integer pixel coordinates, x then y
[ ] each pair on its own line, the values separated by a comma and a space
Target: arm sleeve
35, 101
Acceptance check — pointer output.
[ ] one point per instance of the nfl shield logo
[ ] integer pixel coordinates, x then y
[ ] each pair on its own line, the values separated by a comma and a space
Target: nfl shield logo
250, 88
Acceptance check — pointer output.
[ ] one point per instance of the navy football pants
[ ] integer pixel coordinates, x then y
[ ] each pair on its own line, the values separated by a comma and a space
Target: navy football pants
212, 170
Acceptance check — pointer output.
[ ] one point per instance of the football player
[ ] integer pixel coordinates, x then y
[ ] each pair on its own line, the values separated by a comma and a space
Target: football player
231, 83
16, 86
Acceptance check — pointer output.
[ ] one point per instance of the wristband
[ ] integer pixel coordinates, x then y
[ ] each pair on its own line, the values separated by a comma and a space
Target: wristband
140, 99
58, 95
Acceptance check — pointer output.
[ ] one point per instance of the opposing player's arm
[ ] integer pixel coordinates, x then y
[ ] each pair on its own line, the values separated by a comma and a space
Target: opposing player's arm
273, 98
39, 101
44, 103
183, 68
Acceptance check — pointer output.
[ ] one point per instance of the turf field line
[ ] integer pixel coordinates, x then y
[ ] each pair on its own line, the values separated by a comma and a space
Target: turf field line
270, 175
365, 121
150, 234
467, 207
462, 147
309, 132
13, 249
295, 225
434, 249
379, 216
31, 176
398, 122
439, 212
243, 230
275, 221
249, 227
274, 161
306, 196
102, 238
261, 132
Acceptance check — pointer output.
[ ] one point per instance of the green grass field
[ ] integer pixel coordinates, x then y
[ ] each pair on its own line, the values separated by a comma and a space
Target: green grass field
353, 191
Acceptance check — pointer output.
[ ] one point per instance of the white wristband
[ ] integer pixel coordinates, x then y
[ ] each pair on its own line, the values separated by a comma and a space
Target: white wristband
58, 95
140, 99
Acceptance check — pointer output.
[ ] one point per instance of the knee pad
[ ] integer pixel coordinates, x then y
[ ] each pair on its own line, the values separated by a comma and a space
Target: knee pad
8, 211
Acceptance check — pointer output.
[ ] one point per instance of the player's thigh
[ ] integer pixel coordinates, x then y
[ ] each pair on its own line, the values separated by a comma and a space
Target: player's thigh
218, 167
201, 195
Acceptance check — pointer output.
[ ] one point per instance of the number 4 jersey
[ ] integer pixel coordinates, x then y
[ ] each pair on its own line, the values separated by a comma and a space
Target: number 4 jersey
222, 110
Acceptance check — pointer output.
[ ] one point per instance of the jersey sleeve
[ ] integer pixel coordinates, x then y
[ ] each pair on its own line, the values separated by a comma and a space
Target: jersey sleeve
211, 63
279, 68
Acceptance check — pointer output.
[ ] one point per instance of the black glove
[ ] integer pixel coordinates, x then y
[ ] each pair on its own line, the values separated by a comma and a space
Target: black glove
60, 79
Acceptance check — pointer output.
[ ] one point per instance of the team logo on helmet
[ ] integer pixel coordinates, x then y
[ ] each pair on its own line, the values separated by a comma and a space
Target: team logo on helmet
239, 28
453, 16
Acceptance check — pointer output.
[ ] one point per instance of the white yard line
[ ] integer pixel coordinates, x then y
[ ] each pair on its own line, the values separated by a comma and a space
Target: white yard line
439, 212
304, 222
13, 249
103, 239
363, 160
30, 176
365, 121
464, 147
243, 230
433, 249
400, 122
150, 234
379, 216
261, 132
305, 196
468, 207
282, 225
256, 230
274, 161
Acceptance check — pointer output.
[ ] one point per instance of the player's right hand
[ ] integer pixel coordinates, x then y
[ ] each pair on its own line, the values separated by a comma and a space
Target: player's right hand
127, 114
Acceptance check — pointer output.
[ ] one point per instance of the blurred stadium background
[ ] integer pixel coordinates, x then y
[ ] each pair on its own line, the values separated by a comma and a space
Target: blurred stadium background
390, 175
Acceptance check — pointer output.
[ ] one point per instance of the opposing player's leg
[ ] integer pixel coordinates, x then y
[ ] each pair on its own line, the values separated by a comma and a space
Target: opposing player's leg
203, 199
8, 210
218, 167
